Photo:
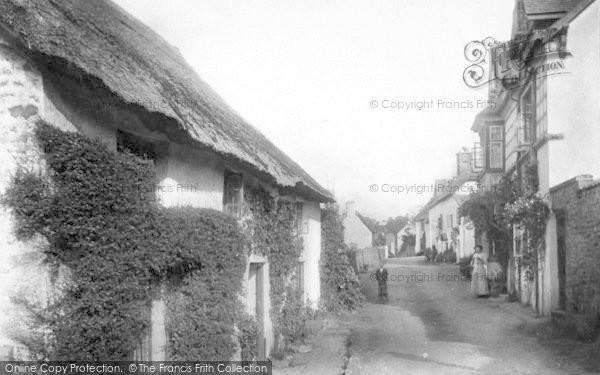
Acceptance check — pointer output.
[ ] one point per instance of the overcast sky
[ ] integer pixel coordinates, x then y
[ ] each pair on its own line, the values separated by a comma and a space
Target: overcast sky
307, 74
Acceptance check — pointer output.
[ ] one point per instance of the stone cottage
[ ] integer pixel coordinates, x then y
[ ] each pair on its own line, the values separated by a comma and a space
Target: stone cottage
89, 67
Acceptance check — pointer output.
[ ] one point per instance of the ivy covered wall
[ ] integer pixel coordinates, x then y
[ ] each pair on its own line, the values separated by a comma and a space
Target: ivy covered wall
97, 210
272, 229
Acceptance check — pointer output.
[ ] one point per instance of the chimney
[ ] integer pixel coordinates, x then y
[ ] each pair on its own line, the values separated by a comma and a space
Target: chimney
350, 208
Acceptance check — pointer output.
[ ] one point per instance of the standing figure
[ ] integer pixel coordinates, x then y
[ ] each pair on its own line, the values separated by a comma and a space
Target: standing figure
381, 276
479, 283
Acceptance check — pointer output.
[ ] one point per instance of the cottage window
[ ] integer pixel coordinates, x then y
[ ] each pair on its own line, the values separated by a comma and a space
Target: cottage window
233, 194
127, 142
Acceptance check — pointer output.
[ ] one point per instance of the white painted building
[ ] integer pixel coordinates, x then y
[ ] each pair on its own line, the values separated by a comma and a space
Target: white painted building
356, 231
572, 117
439, 223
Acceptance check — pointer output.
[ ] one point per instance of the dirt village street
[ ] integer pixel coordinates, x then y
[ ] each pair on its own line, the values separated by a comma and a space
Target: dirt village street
432, 325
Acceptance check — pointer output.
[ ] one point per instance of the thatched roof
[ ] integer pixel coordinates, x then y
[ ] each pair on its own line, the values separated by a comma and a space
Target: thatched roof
140, 68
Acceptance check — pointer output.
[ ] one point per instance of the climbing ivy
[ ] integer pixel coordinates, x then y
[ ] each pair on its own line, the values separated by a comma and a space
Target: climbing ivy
203, 280
98, 211
512, 201
272, 230
340, 287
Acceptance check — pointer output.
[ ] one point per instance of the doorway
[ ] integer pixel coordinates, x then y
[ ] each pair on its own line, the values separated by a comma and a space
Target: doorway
256, 295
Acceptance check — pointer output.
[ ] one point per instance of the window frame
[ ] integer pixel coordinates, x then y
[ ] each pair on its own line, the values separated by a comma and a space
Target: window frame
233, 208
499, 142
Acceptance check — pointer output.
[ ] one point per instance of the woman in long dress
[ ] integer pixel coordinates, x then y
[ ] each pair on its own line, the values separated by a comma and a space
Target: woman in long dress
479, 283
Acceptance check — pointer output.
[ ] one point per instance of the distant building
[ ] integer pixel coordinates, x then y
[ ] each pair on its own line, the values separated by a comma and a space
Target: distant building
439, 223
356, 231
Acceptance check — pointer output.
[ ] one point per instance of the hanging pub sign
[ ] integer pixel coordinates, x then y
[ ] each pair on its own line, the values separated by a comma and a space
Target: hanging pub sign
508, 65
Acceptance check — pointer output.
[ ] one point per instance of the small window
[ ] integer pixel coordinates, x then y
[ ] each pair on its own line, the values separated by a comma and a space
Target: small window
233, 194
127, 142
527, 114
301, 223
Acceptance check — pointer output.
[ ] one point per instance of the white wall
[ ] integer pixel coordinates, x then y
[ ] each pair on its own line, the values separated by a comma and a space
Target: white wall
191, 178
573, 104
573, 111
355, 231
22, 268
418, 234
446, 207
311, 213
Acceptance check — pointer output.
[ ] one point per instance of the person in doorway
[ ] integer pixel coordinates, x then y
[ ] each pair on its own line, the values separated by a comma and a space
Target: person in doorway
381, 275
479, 282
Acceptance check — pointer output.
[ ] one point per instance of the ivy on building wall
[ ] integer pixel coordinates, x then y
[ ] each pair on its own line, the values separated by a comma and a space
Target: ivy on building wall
485, 210
98, 211
512, 201
340, 286
204, 278
248, 332
272, 230
532, 213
